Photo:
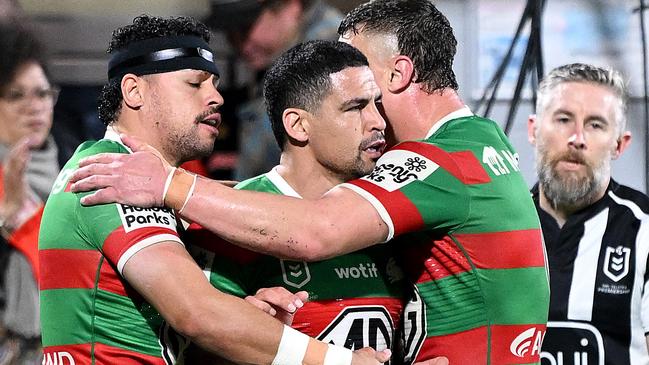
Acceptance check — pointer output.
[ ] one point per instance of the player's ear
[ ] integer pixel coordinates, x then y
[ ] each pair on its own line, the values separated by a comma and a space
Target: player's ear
401, 74
132, 90
296, 124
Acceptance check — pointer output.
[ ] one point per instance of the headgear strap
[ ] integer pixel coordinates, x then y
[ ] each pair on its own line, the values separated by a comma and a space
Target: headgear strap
163, 54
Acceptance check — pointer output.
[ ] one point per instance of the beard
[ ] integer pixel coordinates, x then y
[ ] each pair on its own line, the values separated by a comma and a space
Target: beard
571, 191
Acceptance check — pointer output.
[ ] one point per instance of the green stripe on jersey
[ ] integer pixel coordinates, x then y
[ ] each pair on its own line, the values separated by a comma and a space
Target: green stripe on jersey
66, 326
68, 315
509, 297
453, 304
502, 296
137, 337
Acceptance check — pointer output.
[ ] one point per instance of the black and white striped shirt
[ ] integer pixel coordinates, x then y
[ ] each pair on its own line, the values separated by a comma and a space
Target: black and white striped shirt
599, 302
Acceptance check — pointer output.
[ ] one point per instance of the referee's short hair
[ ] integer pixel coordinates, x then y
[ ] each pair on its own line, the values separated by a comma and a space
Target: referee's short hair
580, 72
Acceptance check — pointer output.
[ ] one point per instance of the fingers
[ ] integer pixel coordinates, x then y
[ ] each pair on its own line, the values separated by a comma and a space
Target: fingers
281, 298
383, 356
137, 145
101, 196
436, 361
380, 356
261, 305
101, 158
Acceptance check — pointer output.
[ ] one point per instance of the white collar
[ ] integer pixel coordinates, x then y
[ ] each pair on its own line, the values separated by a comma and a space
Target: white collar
281, 183
111, 134
460, 113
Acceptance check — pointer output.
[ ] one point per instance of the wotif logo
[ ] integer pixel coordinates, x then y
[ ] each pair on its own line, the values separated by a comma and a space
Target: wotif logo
367, 270
528, 343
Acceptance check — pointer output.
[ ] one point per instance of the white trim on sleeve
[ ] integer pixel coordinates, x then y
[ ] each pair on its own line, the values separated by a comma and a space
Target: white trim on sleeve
143, 244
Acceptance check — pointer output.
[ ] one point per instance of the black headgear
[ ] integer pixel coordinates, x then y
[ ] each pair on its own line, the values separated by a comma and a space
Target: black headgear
163, 54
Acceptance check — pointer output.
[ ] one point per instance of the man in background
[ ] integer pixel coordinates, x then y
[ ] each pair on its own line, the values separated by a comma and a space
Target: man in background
259, 31
596, 231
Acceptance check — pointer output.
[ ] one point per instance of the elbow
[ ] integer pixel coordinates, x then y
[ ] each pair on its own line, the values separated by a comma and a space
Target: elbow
317, 244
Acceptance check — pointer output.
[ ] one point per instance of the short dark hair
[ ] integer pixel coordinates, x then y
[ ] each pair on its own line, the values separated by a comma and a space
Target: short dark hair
143, 27
299, 78
19, 46
423, 34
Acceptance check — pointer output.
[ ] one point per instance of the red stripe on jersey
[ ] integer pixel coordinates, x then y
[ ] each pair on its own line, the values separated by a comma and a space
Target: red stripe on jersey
468, 347
504, 250
118, 241
435, 260
315, 315
405, 215
104, 354
510, 344
110, 280
64, 268
463, 165
201, 237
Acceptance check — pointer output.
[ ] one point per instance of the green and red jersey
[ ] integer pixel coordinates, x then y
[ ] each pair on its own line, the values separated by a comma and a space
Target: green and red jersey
355, 300
470, 238
89, 313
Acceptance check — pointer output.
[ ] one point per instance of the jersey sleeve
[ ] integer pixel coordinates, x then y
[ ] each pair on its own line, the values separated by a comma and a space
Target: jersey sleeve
417, 186
119, 231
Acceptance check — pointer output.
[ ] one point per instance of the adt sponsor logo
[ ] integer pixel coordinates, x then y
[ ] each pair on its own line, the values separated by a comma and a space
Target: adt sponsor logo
360, 326
528, 343
572, 343
136, 217
58, 358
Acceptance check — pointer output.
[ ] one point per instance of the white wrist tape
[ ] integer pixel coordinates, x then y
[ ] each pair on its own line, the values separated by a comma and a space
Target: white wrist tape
189, 194
292, 347
337, 355
167, 183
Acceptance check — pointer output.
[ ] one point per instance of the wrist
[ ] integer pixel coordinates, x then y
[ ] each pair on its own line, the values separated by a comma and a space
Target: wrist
296, 348
178, 189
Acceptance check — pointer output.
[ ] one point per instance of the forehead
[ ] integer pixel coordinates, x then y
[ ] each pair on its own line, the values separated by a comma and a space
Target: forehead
353, 82
29, 74
583, 96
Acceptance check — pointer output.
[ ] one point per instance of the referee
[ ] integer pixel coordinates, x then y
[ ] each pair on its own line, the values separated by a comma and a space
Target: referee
596, 230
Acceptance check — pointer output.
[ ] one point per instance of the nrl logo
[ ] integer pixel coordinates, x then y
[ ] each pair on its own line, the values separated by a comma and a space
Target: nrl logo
616, 262
295, 273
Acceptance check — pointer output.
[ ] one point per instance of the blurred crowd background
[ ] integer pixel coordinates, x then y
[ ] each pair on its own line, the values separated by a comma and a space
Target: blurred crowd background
248, 35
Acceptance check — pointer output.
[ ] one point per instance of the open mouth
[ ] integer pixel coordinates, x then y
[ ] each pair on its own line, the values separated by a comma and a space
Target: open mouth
213, 120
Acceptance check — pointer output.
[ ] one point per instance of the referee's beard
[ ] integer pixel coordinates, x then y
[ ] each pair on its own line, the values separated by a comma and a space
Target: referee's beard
571, 191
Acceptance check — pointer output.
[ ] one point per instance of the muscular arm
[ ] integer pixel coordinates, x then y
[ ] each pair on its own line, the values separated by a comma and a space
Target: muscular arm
299, 229
215, 321
220, 323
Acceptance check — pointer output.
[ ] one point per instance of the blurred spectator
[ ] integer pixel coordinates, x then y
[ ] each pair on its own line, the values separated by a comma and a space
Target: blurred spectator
259, 31
10, 9
28, 169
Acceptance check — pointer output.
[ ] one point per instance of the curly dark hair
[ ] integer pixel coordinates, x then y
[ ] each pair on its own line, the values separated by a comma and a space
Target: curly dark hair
143, 27
19, 46
299, 78
423, 34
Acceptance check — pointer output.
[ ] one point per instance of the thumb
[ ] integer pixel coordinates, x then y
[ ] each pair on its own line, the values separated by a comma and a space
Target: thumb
134, 143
